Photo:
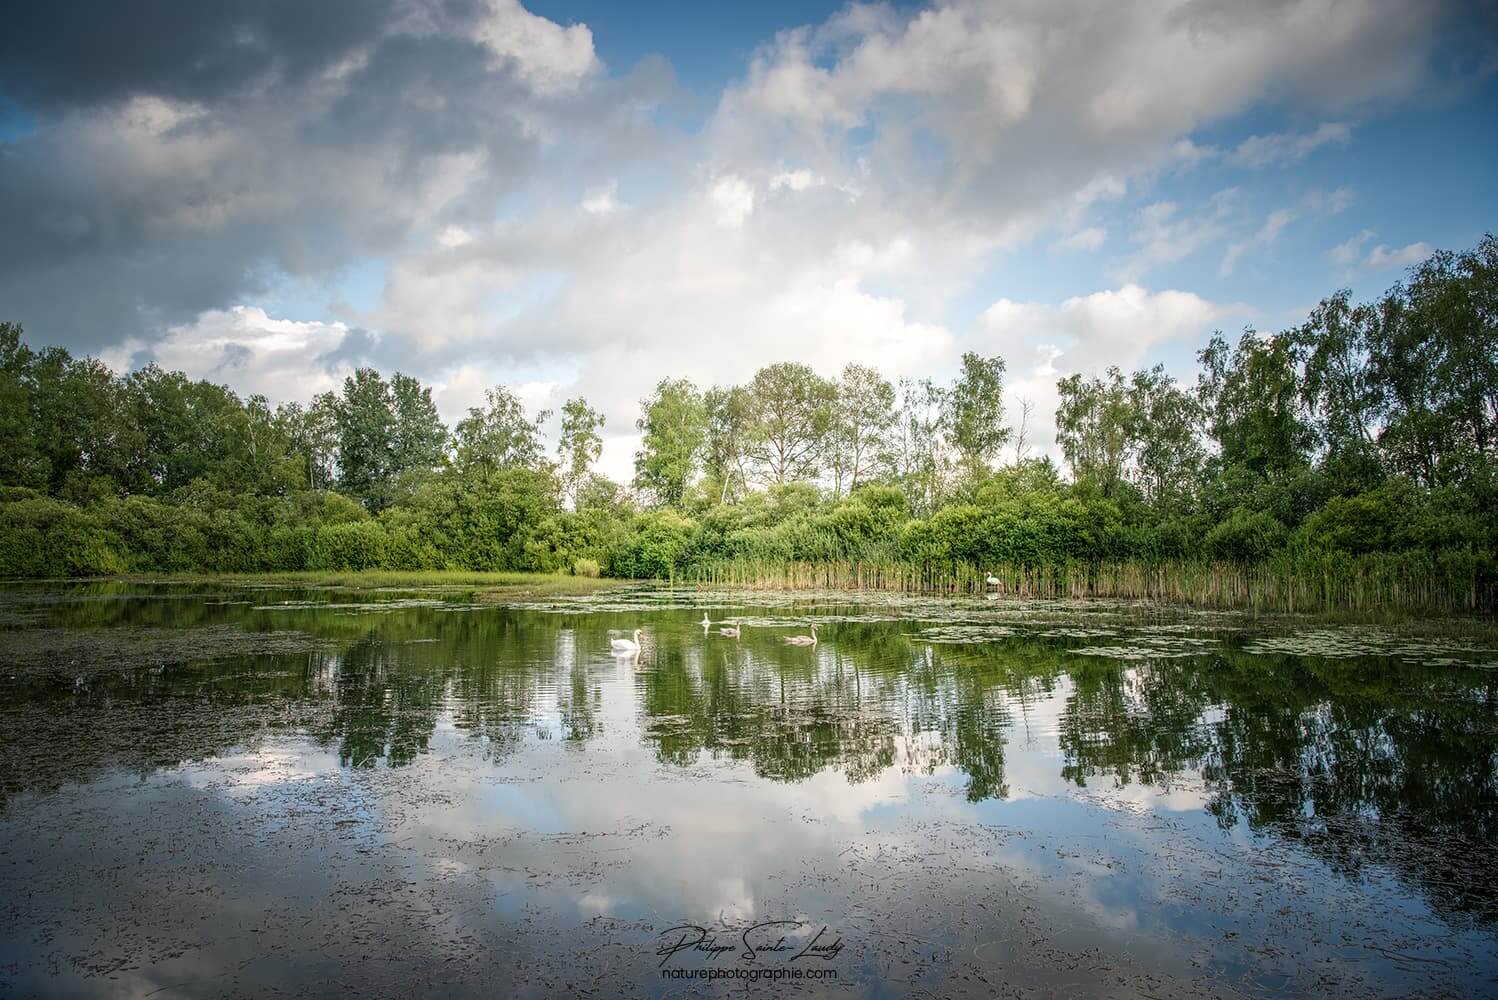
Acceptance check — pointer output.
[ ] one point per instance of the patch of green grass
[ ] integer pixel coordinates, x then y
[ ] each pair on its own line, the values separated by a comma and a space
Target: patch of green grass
484, 586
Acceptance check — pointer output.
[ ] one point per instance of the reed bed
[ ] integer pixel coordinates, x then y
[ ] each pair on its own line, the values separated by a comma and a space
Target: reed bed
1455, 583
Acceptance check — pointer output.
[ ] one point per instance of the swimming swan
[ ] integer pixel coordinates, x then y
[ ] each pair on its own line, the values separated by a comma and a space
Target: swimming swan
626, 645
803, 640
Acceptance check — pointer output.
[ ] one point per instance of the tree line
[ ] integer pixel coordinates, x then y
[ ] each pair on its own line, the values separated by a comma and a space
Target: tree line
1369, 431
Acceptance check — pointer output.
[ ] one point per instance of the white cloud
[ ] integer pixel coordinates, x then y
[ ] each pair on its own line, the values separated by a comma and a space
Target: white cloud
1005, 111
291, 361
1328, 202
1187, 154
775, 235
251, 351
548, 56
1165, 236
1116, 326
1103, 188
1347, 251
795, 180
156, 116
1127, 326
602, 200
1089, 240
1383, 258
734, 199
1285, 148
1315, 203
837, 204
1266, 234
453, 237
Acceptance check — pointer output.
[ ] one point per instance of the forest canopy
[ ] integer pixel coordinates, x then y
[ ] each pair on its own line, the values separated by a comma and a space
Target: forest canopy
1365, 435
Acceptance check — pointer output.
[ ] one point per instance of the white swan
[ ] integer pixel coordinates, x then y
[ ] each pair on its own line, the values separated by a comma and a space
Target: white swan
803, 640
994, 581
626, 645
704, 623
730, 630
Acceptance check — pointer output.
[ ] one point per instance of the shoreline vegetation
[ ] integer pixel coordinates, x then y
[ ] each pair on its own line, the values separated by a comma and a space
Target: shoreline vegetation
1347, 465
1357, 586
491, 587
1363, 589
485, 586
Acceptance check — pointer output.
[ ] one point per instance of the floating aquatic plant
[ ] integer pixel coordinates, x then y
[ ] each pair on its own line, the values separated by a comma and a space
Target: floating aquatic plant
1339, 642
965, 633
1122, 652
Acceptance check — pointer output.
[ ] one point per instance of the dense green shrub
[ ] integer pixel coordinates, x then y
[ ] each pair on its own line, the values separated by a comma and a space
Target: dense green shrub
654, 547
1247, 536
42, 537
158, 536
289, 547
1172, 538
351, 545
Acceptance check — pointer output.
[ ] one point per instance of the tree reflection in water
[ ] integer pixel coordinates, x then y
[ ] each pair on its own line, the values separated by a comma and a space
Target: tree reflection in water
1368, 763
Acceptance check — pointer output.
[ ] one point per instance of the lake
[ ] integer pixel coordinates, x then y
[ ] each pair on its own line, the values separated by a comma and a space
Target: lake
210, 791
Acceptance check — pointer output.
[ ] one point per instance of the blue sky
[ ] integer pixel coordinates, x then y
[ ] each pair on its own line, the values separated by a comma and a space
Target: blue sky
706, 44
585, 197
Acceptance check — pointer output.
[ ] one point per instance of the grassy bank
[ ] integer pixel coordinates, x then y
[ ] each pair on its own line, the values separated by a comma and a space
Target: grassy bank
1449, 583
486, 586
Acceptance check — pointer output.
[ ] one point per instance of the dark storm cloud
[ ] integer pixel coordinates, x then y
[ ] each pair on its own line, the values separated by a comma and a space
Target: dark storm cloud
58, 55
189, 154
423, 96
357, 349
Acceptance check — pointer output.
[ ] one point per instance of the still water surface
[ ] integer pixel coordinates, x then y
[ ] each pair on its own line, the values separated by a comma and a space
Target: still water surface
214, 793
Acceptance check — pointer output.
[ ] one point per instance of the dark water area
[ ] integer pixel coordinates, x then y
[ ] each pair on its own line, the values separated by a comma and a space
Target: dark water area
214, 792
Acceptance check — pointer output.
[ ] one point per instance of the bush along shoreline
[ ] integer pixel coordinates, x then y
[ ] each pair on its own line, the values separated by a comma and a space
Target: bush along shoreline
1348, 464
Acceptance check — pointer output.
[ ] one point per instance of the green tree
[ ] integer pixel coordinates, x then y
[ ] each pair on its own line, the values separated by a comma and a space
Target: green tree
602, 495
168, 452
792, 414
1142, 430
920, 459
729, 441
498, 435
83, 436
21, 459
579, 444
419, 437
366, 438
1339, 387
312, 432
858, 446
1167, 448
975, 414
1252, 400
1096, 425
1434, 355
259, 459
674, 424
